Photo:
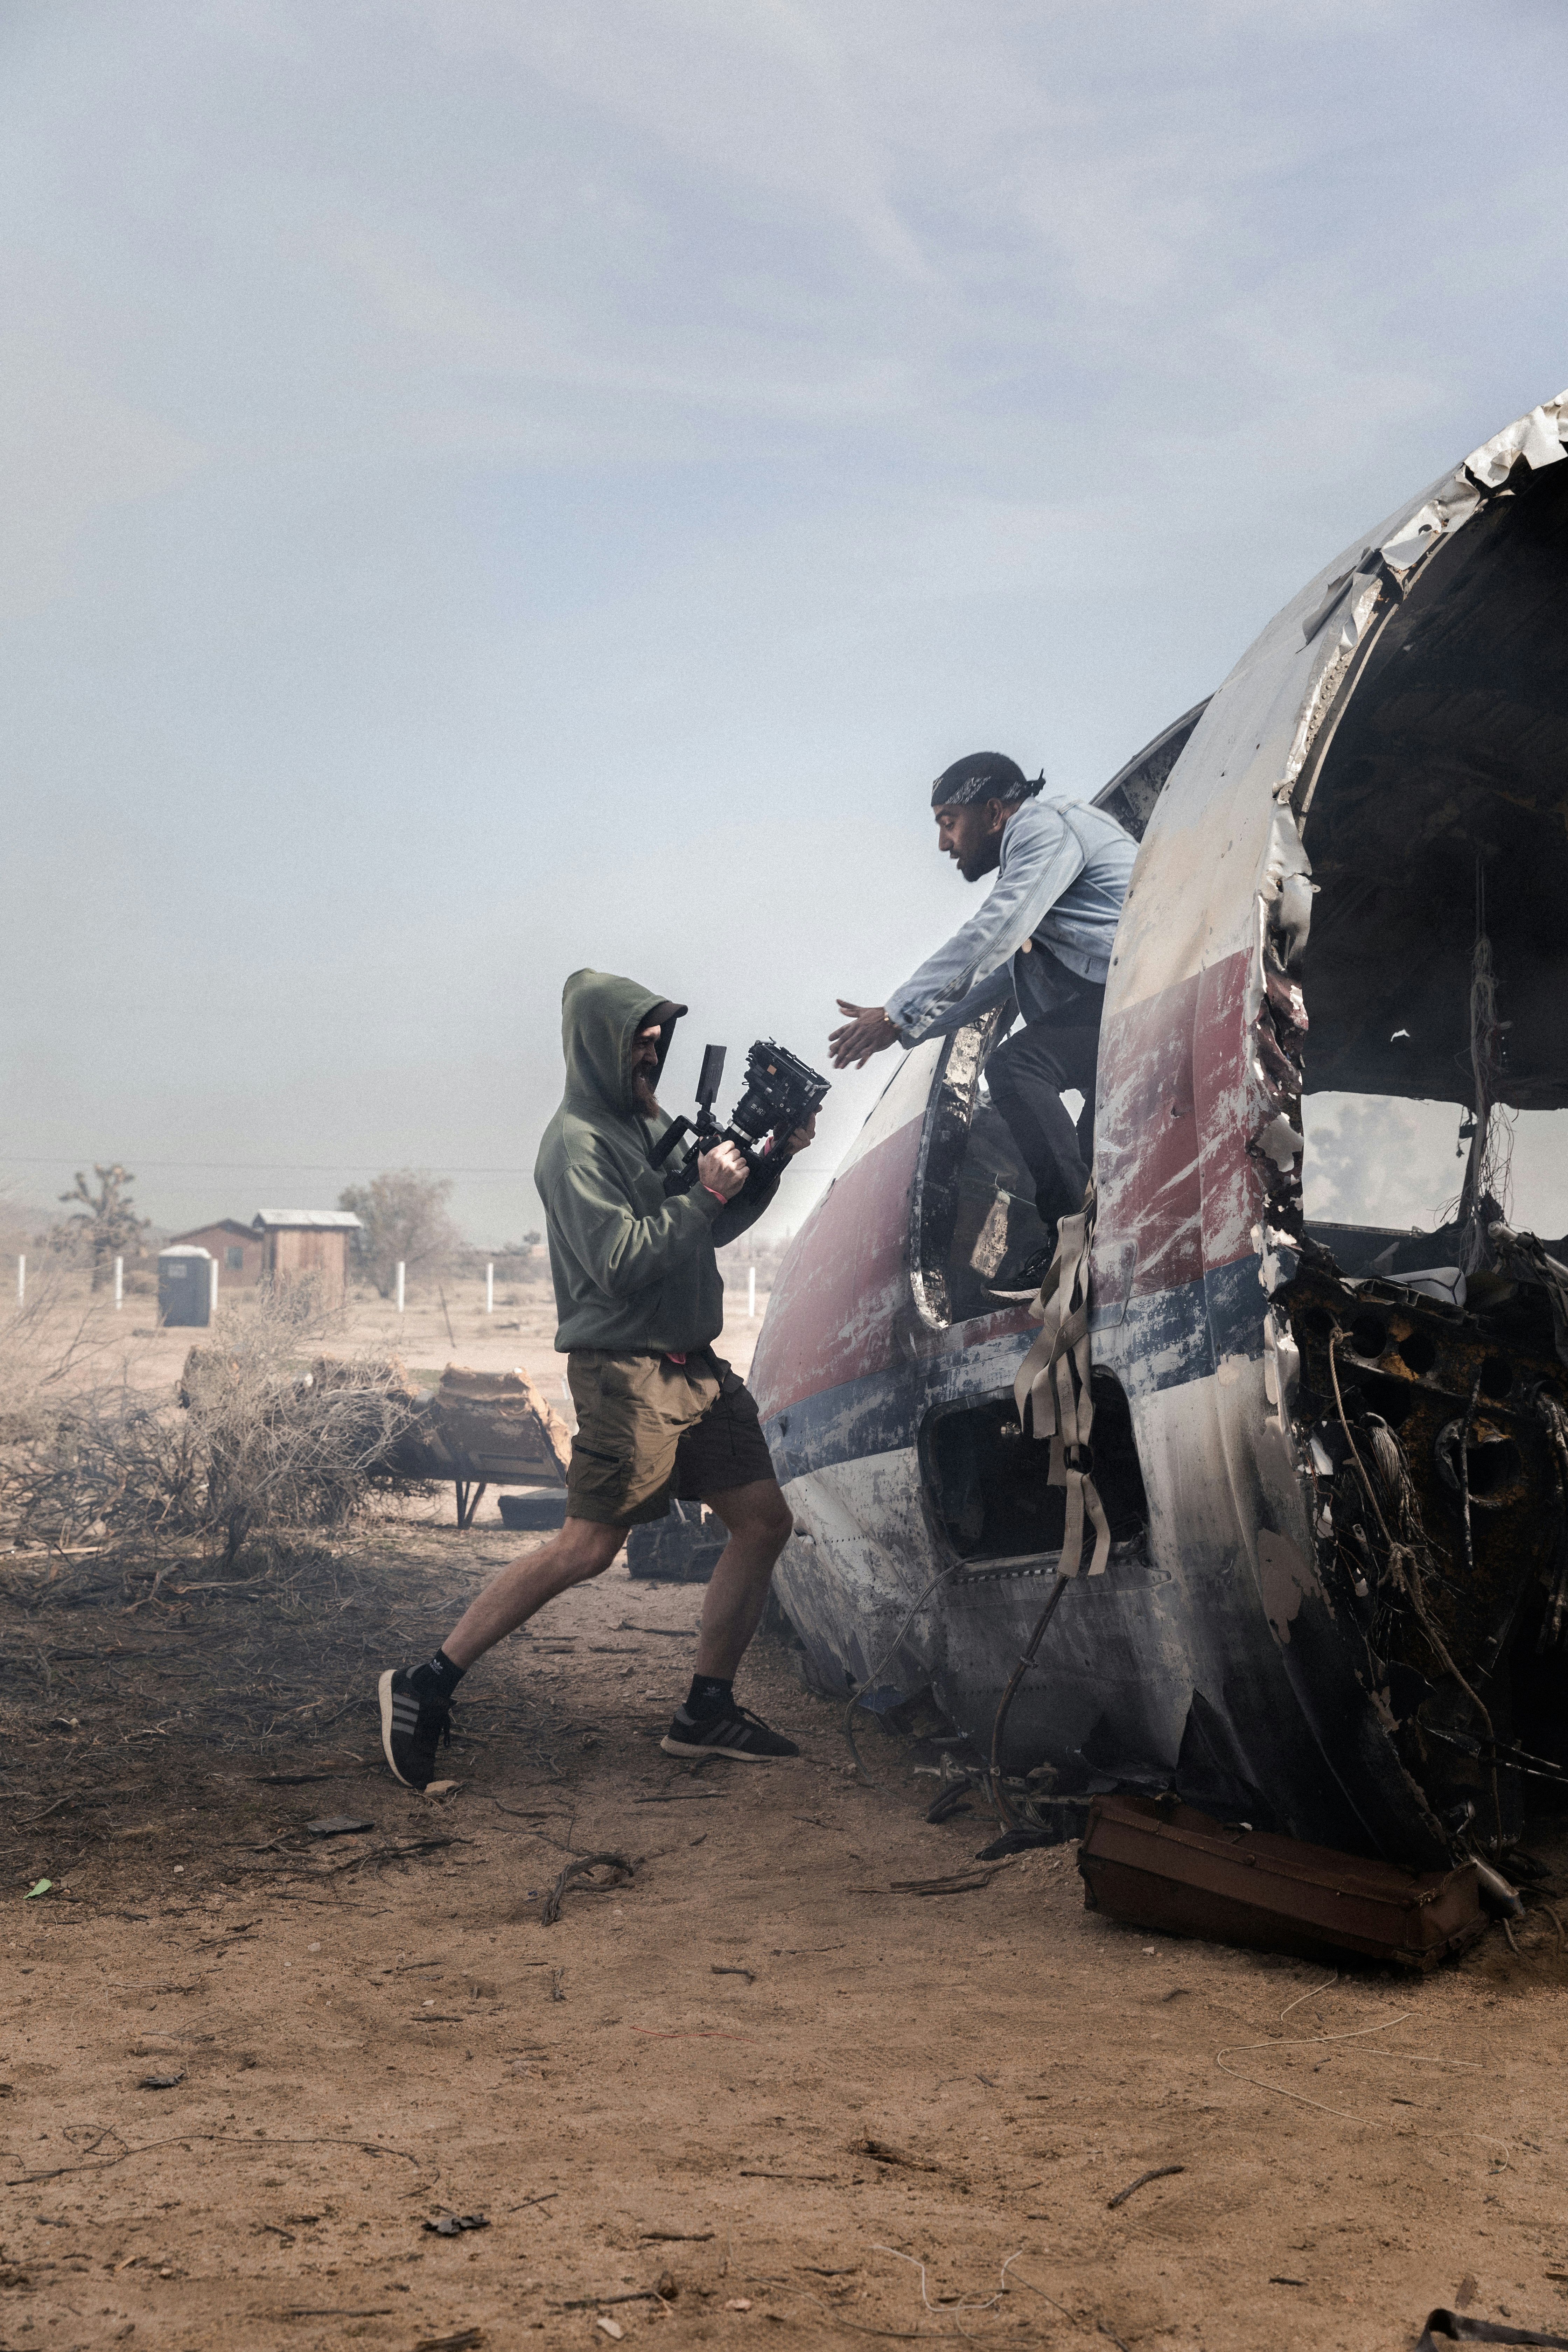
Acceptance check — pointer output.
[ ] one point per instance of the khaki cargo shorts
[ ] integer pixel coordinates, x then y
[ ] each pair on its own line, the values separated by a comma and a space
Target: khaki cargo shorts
648, 1428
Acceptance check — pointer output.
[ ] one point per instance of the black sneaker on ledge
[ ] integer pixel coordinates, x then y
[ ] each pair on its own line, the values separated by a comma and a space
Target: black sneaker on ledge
413, 1724
734, 1731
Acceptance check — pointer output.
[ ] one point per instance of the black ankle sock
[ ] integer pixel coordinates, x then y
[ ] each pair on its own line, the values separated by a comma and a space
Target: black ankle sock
438, 1676
709, 1695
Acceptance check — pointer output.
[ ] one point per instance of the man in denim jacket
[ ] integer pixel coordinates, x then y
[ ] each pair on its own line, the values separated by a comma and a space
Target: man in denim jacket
1040, 945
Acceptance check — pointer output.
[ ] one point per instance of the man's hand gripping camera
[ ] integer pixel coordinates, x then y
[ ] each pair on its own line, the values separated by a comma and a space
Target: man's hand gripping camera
780, 1095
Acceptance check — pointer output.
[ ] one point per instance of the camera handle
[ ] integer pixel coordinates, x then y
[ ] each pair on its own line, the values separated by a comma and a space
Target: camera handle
704, 1125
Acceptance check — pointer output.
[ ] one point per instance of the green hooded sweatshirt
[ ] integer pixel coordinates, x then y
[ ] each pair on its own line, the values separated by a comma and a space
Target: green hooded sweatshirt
633, 1272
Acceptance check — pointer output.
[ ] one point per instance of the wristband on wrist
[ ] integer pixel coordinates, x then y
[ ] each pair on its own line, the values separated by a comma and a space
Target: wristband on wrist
723, 1204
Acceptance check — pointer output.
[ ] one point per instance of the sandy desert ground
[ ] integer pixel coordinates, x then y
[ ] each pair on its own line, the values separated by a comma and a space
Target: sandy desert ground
766, 2080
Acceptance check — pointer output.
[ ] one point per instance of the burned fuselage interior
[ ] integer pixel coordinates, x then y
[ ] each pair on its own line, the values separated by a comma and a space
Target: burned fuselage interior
1432, 1394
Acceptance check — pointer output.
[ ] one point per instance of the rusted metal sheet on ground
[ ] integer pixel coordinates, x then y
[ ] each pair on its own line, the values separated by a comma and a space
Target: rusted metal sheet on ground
1164, 1866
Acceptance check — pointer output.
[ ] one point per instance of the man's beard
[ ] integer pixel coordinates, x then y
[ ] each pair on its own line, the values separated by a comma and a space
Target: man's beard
642, 1093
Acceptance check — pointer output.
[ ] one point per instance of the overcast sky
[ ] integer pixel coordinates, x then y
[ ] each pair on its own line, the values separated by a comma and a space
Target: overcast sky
491, 486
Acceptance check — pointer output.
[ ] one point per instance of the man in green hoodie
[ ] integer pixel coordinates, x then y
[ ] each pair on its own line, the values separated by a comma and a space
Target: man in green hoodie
640, 1301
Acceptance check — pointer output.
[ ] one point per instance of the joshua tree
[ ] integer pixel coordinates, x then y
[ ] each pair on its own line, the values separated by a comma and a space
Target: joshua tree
108, 1223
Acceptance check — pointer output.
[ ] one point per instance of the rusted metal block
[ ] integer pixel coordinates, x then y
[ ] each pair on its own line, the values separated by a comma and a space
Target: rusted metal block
1157, 1863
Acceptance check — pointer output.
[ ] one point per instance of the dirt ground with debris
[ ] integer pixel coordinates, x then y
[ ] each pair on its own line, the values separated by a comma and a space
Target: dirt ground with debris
759, 2084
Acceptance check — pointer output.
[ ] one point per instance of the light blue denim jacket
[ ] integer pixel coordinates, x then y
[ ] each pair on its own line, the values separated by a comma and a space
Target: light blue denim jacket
1063, 877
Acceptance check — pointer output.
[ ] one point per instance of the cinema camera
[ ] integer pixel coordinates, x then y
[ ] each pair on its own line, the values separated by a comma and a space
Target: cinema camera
781, 1093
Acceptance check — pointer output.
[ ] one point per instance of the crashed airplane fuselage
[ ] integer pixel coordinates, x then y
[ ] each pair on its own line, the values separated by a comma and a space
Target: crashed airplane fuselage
1333, 1456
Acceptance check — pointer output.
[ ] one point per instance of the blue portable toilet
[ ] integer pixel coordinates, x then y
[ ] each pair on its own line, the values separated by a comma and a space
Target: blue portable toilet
186, 1285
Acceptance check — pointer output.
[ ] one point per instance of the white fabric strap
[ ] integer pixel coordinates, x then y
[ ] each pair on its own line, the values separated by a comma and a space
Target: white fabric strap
1053, 1394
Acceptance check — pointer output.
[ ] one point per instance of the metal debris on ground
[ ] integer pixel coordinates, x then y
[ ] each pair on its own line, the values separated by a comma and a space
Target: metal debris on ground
450, 2225
1155, 1862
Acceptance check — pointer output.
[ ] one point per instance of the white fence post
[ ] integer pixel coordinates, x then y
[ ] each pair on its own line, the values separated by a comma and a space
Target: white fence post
119, 1284
21, 1282
400, 1272
751, 1292
491, 1289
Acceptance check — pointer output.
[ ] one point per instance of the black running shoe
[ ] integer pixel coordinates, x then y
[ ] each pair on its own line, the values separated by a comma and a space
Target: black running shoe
733, 1731
413, 1726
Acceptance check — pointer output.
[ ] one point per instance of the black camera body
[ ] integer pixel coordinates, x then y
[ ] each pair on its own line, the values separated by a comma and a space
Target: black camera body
780, 1094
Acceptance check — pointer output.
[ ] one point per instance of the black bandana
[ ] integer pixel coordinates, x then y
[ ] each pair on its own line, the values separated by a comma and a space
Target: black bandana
983, 776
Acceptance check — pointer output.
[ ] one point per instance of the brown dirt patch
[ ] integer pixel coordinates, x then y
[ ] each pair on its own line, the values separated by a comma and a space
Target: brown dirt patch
769, 2080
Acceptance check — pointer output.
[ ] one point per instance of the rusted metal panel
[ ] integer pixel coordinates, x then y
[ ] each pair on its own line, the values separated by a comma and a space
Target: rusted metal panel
1164, 1865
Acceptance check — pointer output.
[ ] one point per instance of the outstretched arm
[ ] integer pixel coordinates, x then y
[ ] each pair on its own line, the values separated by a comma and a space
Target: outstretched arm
1042, 857
867, 1030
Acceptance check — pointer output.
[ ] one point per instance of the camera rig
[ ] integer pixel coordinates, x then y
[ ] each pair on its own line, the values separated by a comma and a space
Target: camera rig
780, 1094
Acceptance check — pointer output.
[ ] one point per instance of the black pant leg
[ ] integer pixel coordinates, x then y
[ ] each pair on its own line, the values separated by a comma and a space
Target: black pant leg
1027, 1074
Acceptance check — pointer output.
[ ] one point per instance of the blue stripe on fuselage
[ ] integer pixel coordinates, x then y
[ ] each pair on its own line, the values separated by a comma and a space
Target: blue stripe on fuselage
1162, 1341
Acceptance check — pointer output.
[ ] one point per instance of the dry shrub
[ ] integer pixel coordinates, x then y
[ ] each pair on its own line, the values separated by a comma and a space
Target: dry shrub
254, 1442
46, 1348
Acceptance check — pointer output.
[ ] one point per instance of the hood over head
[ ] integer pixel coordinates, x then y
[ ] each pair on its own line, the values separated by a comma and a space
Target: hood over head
601, 1014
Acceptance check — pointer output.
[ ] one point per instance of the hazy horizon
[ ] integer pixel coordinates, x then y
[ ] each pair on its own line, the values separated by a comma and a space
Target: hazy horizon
492, 489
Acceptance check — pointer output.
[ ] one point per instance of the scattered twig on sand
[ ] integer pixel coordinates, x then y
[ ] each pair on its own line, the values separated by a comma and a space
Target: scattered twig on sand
337, 2310
681, 1797
961, 1882
218, 2140
719, 1969
698, 2033
603, 2302
885, 2153
676, 2237
1160, 2172
1072, 2317
618, 1864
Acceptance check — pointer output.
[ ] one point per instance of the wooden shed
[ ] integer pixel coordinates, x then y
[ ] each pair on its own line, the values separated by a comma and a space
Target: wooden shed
240, 1251
309, 1242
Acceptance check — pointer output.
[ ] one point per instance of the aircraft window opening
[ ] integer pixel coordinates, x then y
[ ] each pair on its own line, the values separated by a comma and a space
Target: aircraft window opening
986, 1484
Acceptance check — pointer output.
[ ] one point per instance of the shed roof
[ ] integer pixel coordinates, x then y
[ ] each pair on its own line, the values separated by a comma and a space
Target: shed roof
219, 1225
320, 1219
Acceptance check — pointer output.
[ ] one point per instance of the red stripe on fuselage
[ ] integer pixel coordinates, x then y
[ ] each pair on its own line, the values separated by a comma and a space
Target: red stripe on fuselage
845, 1284
1170, 1134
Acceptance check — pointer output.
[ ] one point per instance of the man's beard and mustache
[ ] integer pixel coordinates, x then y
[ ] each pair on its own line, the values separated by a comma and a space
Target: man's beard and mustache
642, 1090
